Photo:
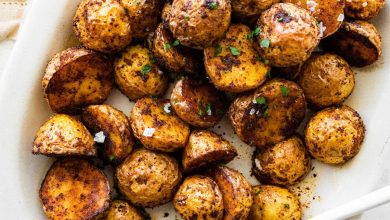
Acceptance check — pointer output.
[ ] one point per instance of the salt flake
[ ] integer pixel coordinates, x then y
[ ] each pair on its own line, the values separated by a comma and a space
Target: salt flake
148, 132
311, 5
99, 137
167, 108
340, 17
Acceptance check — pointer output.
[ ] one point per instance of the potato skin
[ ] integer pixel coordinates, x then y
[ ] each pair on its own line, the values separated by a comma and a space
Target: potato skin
363, 9
288, 35
248, 11
326, 80
235, 73
63, 135
266, 124
75, 78
115, 125
358, 42
285, 163
273, 202
122, 210
102, 25
334, 135
198, 103
199, 198
195, 24
205, 148
148, 178
137, 75
74, 189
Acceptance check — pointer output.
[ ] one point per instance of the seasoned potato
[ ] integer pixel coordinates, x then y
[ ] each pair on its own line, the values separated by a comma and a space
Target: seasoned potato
329, 13
102, 25
198, 23
248, 11
363, 9
170, 56
199, 198
63, 135
75, 78
206, 148
335, 135
122, 210
74, 189
165, 14
270, 114
288, 35
198, 103
358, 42
236, 192
137, 75
326, 80
111, 128
147, 178
233, 64
272, 202
157, 127
285, 163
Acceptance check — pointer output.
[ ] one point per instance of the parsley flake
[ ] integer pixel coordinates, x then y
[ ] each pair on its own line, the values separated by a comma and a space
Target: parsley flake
146, 69
111, 157
265, 43
167, 46
258, 192
218, 50
186, 18
212, 5
286, 206
254, 33
234, 51
266, 113
176, 43
208, 109
261, 100
284, 90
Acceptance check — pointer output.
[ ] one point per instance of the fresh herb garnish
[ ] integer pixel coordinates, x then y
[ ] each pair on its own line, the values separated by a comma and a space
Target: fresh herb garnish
234, 51
286, 206
265, 61
254, 33
260, 100
265, 43
212, 5
111, 157
284, 90
208, 109
145, 69
176, 43
186, 18
152, 58
266, 113
167, 46
258, 192
218, 50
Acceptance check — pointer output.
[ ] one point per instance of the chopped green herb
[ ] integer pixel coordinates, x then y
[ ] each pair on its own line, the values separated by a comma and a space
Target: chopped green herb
111, 157
208, 109
200, 112
266, 113
254, 33
186, 18
286, 206
284, 90
261, 100
265, 61
145, 69
258, 192
218, 50
167, 46
234, 51
212, 5
174, 102
152, 59
269, 74
176, 43
265, 43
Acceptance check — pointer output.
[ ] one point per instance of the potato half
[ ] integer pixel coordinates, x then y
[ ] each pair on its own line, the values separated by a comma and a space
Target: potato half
249, 11
122, 210
363, 9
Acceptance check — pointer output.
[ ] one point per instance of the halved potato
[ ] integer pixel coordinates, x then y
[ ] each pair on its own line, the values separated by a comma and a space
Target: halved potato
74, 189
111, 128
122, 210
63, 135
205, 148
363, 9
75, 78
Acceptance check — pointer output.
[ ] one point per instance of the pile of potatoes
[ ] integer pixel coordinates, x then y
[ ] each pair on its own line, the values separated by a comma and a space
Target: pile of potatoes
255, 62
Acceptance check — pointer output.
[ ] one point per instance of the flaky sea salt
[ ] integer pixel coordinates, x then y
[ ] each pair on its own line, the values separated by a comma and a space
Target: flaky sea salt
167, 108
364, 4
99, 137
252, 111
322, 28
340, 17
148, 132
311, 5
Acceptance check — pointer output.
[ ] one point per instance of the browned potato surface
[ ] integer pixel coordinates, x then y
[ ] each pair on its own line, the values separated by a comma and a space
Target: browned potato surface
233, 64
334, 135
63, 135
102, 25
285, 163
270, 114
358, 42
363, 9
288, 35
249, 11
148, 178
75, 78
205, 148
122, 210
165, 14
74, 189
199, 198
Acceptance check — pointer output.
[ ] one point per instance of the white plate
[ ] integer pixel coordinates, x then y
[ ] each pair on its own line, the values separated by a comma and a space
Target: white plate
47, 30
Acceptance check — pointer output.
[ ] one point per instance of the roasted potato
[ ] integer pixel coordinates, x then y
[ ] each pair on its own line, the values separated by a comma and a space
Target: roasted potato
112, 129
205, 148
270, 114
122, 210
233, 64
288, 35
285, 163
137, 74
236, 192
326, 80
198, 23
148, 178
199, 198
358, 42
102, 25
63, 135
248, 11
165, 14
198, 103
363, 9
335, 135
273, 202
75, 78
74, 189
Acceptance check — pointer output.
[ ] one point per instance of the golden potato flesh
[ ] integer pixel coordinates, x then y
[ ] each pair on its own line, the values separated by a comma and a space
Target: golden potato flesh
198, 103
122, 210
233, 64
288, 35
273, 202
111, 128
63, 135
75, 78
285, 163
335, 135
199, 198
326, 80
248, 11
205, 148
199, 23
148, 178
137, 74
74, 189
363, 9
270, 114
102, 25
